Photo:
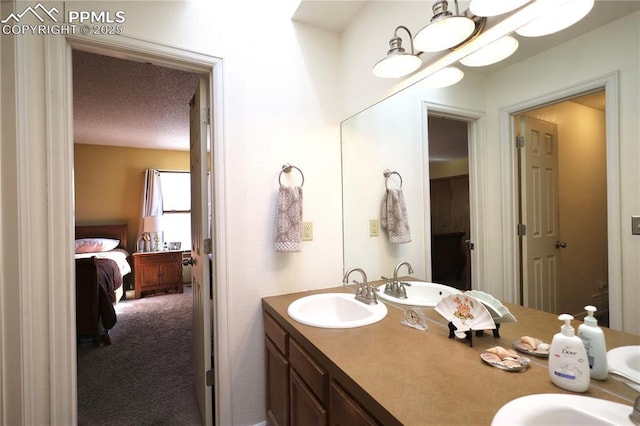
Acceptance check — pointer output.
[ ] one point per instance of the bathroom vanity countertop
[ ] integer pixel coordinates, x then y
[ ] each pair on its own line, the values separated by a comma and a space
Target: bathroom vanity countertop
423, 377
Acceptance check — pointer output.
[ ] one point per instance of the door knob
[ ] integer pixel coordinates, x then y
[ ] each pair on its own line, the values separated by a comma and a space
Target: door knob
560, 244
189, 261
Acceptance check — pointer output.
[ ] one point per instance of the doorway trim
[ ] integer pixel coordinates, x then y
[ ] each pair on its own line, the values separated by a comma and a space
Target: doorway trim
608, 82
475, 122
59, 119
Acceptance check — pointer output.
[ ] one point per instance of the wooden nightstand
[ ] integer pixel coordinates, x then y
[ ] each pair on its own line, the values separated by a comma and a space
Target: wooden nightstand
157, 270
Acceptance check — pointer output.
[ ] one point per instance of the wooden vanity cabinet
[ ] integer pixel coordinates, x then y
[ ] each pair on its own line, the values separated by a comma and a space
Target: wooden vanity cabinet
277, 372
346, 411
300, 390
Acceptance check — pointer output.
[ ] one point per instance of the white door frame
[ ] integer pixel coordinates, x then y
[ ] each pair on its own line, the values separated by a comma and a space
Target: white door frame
609, 82
59, 116
475, 123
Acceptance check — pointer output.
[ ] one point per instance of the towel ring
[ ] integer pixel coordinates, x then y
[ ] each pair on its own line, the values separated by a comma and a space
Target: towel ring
286, 168
387, 174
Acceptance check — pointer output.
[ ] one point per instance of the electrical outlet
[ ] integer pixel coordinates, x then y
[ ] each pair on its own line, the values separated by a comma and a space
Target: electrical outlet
374, 228
307, 231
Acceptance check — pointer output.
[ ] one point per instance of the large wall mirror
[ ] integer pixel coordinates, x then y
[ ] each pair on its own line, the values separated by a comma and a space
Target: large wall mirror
414, 131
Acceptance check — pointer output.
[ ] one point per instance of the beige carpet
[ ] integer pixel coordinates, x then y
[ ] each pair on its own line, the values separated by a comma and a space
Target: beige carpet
145, 376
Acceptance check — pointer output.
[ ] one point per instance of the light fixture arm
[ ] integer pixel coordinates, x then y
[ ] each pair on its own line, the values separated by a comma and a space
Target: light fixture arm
441, 8
396, 42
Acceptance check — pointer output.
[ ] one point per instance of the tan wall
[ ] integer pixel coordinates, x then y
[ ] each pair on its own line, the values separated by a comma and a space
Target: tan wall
108, 182
582, 180
445, 169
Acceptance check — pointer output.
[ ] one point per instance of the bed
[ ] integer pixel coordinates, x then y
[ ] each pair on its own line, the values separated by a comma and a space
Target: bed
102, 261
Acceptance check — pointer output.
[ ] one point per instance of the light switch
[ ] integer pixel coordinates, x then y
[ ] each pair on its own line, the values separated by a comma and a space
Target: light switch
635, 225
374, 227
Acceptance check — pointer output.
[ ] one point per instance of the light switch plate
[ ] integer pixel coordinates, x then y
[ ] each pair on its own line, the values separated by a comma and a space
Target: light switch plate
374, 227
635, 225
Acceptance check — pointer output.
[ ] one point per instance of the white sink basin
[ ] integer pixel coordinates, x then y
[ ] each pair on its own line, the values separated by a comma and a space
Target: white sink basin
335, 310
562, 409
626, 361
420, 293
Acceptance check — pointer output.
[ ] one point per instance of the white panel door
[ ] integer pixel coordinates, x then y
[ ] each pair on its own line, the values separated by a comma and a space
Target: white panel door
200, 276
539, 210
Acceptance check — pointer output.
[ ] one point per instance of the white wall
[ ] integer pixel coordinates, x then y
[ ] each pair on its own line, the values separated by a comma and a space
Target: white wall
281, 105
614, 47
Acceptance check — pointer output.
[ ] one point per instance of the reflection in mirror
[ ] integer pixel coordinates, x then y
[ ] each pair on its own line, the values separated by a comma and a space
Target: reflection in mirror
385, 136
391, 135
449, 195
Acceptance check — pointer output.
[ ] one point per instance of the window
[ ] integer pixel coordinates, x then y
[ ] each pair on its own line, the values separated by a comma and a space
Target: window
176, 207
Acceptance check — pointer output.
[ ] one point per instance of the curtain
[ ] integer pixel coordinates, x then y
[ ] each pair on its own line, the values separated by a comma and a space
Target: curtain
151, 196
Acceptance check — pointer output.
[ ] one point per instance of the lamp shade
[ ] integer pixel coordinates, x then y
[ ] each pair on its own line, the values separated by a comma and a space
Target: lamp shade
396, 65
445, 77
152, 224
557, 19
491, 53
443, 33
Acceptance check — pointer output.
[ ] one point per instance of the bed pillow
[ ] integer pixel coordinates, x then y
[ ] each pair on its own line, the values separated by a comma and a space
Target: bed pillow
92, 245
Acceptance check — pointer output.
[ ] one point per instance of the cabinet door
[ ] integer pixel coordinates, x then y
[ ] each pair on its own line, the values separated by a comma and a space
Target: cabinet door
277, 398
170, 273
305, 408
148, 275
344, 410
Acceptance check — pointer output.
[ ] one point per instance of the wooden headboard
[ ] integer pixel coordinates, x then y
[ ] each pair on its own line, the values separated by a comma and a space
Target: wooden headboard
117, 232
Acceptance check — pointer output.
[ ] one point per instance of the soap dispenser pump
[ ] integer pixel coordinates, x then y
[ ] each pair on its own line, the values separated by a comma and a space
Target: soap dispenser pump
594, 343
568, 363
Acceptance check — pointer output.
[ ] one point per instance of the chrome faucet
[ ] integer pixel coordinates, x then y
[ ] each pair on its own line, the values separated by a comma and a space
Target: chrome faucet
365, 293
395, 287
635, 413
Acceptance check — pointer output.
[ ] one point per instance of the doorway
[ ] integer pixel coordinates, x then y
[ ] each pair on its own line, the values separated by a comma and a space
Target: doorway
125, 123
59, 53
562, 227
449, 196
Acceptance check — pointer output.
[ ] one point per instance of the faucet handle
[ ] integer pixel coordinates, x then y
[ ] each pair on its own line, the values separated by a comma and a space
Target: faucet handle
635, 413
405, 283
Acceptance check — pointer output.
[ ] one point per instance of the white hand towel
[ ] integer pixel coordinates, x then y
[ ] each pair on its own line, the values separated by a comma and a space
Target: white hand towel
289, 219
395, 218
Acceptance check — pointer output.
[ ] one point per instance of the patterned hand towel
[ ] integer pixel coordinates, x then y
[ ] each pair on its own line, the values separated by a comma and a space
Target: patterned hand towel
289, 219
395, 218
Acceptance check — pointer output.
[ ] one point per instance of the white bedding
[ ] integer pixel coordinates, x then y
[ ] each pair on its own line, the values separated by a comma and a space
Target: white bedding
117, 255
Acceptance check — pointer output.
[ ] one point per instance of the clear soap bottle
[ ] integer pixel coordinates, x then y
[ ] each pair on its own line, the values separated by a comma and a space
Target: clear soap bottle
568, 363
594, 343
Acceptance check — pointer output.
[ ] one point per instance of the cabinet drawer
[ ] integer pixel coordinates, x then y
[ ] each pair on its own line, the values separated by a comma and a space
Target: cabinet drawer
277, 334
160, 257
309, 371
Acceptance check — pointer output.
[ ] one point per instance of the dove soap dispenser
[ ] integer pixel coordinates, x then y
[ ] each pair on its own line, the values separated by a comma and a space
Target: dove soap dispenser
594, 343
568, 363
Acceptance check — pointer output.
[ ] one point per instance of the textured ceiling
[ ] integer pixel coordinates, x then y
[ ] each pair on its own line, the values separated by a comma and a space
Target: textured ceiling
126, 103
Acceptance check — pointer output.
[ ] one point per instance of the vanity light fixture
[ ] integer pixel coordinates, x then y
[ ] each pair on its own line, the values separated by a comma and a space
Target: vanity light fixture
491, 53
397, 63
445, 29
557, 19
481, 44
445, 77
494, 7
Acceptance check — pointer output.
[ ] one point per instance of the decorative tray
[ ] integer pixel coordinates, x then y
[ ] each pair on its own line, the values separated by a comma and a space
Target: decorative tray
505, 359
498, 311
532, 346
